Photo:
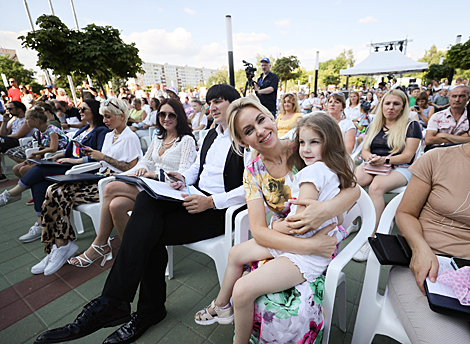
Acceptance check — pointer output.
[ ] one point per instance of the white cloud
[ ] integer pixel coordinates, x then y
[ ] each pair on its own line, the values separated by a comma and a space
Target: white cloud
337, 3
190, 11
367, 20
158, 45
283, 22
159, 9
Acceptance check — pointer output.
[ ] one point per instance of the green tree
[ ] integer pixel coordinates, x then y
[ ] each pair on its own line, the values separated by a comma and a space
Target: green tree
286, 69
458, 56
331, 79
240, 79
432, 56
221, 77
271, 58
96, 50
436, 72
15, 70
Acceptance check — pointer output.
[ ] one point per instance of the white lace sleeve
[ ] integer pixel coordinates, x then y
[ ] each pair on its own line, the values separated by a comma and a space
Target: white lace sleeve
188, 153
147, 161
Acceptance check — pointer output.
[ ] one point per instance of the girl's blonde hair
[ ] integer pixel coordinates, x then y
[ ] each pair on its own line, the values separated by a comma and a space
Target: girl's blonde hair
333, 152
295, 103
234, 109
37, 112
396, 136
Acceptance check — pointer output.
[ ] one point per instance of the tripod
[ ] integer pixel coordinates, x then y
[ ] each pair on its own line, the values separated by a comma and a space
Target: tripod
249, 83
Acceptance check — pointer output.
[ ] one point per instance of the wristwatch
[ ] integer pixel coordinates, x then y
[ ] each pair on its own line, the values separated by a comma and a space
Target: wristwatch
387, 160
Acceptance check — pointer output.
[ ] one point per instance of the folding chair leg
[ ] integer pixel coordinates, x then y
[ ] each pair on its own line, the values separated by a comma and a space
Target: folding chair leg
76, 222
169, 267
341, 301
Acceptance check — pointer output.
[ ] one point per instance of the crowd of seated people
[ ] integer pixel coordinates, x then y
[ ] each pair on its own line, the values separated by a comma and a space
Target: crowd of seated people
391, 138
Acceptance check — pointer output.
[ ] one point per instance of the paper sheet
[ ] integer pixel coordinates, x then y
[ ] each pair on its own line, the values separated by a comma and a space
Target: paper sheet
165, 189
438, 287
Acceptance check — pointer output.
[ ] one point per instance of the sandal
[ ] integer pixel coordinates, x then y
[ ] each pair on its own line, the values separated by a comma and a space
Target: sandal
86, 262
223, 316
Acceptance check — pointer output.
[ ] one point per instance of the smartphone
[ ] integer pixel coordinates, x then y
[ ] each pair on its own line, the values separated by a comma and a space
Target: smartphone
171, 178
458, 263
79, 144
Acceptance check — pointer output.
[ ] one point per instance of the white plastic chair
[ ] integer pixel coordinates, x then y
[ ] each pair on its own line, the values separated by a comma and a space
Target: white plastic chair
335, 278
376, 314
93, 210
217, 248
356, 151
23, 142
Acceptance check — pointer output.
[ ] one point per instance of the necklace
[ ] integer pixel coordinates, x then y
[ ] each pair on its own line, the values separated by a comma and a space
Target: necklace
167, 145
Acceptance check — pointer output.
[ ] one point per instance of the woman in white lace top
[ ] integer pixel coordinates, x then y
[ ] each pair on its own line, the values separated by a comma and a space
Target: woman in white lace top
173, 150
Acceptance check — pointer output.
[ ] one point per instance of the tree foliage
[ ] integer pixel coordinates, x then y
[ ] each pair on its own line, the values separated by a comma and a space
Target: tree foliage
286, 68
221, 77
436, 72
432, 56
16, 70
458, 56
96, 50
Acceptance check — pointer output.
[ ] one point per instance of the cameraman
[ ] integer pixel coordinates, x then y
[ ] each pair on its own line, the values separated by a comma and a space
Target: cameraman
266, 87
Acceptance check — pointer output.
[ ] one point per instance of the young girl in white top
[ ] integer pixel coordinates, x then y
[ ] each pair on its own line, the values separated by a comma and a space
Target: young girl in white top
319, 147
197, 119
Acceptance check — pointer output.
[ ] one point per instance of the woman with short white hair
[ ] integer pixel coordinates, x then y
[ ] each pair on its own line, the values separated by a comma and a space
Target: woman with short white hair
120, 152
62, 95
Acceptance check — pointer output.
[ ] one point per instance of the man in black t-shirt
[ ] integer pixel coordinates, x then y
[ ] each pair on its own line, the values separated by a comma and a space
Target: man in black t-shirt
266, 87
69, 116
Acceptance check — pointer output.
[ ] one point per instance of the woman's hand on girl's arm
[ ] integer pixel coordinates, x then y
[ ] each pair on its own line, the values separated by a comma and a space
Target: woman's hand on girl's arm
317, 212
423, 261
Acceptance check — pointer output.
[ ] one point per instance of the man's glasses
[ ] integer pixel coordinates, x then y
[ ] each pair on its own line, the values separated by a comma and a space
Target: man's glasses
163, 115
109, 102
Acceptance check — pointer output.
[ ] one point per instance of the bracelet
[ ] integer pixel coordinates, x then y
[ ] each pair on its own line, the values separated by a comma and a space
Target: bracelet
213, 203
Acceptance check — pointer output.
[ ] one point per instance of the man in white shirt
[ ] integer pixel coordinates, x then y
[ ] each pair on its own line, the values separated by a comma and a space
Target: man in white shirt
138, 92
142, 257
183, 94
156, 91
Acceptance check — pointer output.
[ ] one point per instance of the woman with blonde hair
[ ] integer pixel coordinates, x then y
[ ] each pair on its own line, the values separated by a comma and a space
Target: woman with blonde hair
391, 139
269, 181
290, 114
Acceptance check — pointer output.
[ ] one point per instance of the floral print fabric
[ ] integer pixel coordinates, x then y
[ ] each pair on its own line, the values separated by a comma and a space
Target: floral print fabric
292, 316
44, 139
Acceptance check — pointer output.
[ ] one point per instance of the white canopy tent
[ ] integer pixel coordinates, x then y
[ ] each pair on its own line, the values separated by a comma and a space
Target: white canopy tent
385, 62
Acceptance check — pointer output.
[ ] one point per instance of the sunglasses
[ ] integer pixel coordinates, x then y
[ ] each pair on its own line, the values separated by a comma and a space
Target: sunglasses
171, 115
109, 102
82, 109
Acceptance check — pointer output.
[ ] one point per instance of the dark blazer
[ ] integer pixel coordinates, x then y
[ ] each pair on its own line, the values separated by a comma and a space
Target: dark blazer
93, 140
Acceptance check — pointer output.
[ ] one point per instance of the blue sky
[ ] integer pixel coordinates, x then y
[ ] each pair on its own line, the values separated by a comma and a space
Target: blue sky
193, 32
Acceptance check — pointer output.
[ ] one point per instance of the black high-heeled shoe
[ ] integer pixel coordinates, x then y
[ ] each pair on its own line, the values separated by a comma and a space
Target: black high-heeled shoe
98, 313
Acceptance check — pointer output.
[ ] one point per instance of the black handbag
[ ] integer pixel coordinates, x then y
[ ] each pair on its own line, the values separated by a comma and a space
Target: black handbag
391, 249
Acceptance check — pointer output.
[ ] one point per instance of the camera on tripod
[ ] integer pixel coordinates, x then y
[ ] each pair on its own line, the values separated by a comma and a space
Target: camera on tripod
250, 74
249, 70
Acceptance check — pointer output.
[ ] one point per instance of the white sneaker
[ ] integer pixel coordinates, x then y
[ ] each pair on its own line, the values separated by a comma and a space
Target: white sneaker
363, 253
353, 227
34, 233
59, 256
41, 266
5, 198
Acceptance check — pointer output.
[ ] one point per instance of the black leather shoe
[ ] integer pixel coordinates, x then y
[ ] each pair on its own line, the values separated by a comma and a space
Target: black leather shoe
128, 333
98, 313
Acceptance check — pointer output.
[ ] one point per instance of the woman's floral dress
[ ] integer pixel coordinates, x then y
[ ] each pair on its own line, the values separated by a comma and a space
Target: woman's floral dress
293, 315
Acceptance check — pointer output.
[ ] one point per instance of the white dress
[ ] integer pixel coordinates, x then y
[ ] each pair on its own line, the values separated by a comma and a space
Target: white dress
327, 184
178, 158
